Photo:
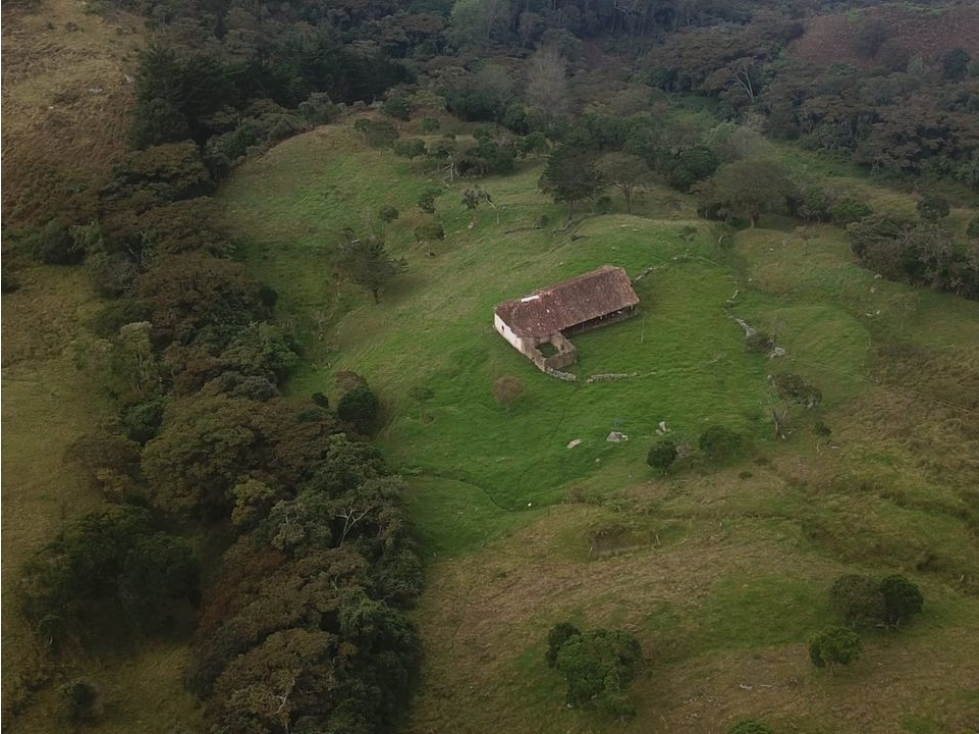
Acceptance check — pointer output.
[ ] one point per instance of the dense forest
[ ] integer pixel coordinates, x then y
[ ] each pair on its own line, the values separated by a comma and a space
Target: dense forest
267, 528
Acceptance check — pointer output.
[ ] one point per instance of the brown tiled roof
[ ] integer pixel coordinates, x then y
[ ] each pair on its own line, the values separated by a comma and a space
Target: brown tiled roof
569, 303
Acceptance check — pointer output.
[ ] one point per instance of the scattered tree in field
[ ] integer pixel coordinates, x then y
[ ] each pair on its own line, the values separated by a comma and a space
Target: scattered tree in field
421, 395
571, 177
628, 173
690, 165
902, 599
426, 201
598, 665
377, 133
366, 261
750, 726
507, 390
559, 634
745, 190
472, 198
932, 207
858, 600
429, 232
533, 144
410, 148
834, 646
720, 443
360, 406
661, 455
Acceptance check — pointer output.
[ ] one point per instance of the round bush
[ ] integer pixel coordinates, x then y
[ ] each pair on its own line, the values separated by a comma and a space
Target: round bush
719, 442
360, 407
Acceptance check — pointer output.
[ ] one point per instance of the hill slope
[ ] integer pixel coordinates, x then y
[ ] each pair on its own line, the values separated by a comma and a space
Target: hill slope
722, 573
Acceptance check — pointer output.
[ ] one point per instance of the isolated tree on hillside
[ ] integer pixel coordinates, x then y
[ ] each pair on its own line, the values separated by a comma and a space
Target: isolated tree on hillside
628, 173
745, 189
858, 600
571, 177
367, 263
902, 599
411, 148
661, 455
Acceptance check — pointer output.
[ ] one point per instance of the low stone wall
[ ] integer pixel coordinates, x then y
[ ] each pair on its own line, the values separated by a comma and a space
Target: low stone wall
566, 376
612, 376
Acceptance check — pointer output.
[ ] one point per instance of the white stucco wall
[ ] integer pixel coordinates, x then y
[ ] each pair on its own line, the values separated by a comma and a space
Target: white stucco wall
524, 346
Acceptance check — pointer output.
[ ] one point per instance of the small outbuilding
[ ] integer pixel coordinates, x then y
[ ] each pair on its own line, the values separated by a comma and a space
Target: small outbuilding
538, 325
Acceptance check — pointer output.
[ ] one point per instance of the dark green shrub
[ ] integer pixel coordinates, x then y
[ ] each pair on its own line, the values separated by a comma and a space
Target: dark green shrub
320, 399
142, 421
834, 646
388, 214
8, 283
430, 231
902, 599
598, 665
603, 205
430, 124
50, 630
54, 245
114, 316
158, 570
720, 442
397, 106
378, 134
360, 406
858, 600
661, 455
82, 701
559, 634
850, 210
411, 148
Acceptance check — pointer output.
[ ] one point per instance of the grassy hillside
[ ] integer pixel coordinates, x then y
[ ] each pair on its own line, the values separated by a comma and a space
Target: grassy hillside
48, 403
66, 103
721, 572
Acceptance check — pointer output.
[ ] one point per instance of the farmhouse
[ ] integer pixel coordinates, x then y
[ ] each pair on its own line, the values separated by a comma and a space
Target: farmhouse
538, 325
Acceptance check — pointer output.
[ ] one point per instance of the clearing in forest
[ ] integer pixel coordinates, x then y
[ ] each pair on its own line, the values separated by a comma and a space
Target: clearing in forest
721, 571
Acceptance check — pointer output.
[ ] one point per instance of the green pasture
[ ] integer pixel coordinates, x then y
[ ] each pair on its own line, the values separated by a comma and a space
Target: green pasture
473, 462
684, 353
